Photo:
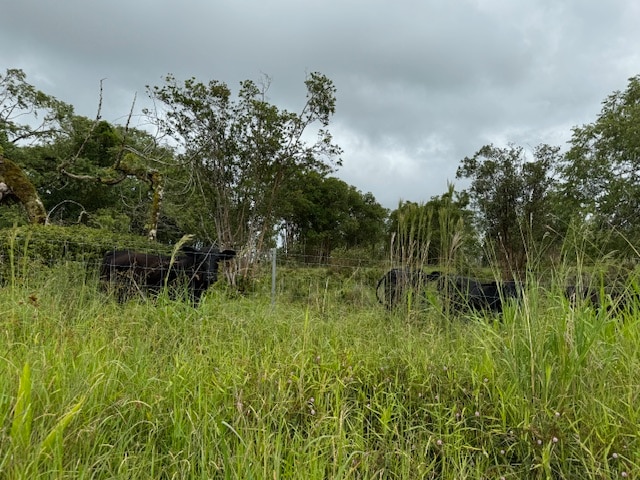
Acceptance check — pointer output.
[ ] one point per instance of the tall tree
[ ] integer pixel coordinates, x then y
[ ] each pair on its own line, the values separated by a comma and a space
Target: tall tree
602, 169
71, 161
513, 199
239, 153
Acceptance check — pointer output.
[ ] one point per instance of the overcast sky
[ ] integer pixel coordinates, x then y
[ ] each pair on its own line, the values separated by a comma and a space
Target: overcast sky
420, 84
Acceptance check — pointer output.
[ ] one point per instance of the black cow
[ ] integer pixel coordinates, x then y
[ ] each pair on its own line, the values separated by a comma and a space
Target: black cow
582, 295
468, 294
397, 282
614, 299
129, 272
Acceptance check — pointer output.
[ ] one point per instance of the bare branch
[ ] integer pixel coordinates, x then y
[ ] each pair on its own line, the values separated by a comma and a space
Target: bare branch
116, 164
63, 166
82, 210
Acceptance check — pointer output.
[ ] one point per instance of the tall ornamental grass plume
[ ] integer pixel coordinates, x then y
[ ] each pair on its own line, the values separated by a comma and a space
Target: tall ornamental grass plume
312, 389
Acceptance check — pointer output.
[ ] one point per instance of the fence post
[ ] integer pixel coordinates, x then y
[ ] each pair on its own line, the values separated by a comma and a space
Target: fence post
273, 277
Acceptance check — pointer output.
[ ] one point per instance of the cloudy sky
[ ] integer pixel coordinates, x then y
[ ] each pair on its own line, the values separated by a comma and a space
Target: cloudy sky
420, 84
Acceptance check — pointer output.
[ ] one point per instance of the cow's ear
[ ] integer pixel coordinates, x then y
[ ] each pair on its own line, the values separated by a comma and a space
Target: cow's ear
228, 254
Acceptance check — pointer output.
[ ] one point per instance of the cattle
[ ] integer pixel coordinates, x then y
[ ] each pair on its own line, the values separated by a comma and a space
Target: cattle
462, 294
582, 295
128, 272
613, 300
459, 294
397, 282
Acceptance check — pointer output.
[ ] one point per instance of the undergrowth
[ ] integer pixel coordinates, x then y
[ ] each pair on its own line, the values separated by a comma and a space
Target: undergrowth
324, 384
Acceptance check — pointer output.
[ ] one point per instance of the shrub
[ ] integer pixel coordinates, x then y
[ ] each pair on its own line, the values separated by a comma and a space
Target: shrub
25, 245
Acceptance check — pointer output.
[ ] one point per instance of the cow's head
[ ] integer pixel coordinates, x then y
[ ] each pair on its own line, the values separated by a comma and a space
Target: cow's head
205, 262
213, 258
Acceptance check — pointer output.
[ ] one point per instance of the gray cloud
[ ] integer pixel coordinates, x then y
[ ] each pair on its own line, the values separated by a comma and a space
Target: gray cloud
420, 85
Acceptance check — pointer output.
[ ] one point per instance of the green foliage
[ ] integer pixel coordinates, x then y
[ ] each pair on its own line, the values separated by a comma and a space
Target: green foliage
24, 248
80, 166
12, 214
602, 170
27, 114
239, 153
322, 214
513, 200
88, 171
439, 231
246, 169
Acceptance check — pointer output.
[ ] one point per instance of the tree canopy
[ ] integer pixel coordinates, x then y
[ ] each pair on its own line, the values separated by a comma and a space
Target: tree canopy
320, 214
512, 196
240, 171
601, 171
238, 153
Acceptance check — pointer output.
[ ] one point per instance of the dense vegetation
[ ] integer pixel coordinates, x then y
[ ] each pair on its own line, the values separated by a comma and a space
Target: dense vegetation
324, 383
239, 171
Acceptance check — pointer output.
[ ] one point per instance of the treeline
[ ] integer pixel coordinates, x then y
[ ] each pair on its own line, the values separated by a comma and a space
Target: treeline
239, 171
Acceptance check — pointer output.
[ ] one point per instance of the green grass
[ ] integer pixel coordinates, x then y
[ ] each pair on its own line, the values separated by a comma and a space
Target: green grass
327, 385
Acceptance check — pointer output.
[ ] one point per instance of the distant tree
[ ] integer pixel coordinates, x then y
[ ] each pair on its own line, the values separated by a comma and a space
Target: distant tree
601, 171
513, 198
320, 214
431, 233
239, 153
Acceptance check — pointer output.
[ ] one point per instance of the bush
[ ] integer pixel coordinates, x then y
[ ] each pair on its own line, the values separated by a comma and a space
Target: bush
25, 245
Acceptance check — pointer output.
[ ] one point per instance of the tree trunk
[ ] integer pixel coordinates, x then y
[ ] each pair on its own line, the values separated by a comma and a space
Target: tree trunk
15, 184
155, 179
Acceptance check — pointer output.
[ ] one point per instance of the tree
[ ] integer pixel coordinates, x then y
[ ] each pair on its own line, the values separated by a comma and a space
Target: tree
27, 116
240, 153
94, 171
513, 199
320, 214
69, 160
118, 160
601, 170
16, 186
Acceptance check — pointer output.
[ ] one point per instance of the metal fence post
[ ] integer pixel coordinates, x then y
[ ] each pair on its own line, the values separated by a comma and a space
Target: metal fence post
273, 276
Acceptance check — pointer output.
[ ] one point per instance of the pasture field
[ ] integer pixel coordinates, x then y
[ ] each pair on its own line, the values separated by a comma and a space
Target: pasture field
325, 384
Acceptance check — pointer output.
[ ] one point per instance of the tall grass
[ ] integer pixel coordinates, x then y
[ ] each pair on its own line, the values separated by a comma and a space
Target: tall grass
315, 387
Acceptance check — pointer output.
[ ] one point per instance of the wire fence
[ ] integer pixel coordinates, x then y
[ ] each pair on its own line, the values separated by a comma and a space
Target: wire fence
346, 278
275, 274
